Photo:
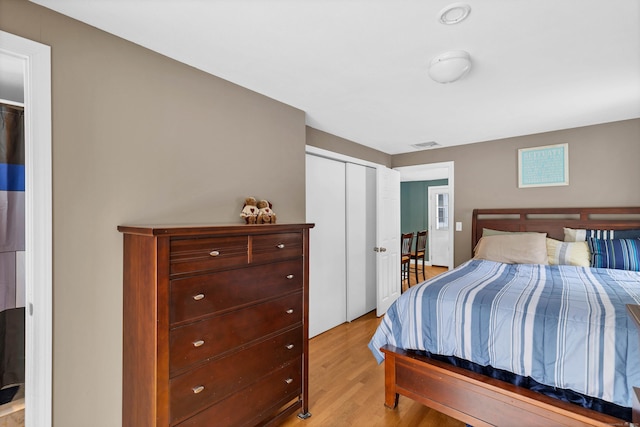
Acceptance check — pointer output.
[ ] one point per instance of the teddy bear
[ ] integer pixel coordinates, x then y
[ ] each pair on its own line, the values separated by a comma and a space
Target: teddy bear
265, 214
250, 210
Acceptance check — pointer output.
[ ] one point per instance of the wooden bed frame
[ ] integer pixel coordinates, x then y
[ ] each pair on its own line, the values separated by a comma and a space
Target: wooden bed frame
480, 400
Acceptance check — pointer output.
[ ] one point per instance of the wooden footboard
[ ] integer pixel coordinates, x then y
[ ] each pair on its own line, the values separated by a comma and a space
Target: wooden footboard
476, 399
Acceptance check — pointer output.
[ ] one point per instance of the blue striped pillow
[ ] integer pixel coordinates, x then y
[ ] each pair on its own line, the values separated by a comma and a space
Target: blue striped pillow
621, 254
580, 235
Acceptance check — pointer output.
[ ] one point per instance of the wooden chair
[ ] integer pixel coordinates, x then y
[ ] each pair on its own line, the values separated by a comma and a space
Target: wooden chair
405, 257
419, 252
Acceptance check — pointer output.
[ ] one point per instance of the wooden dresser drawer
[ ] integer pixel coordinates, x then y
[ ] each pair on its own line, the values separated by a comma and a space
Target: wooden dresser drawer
274, 247
208, 254
207, 338
199, 296
216, 380
215, 339
255, 404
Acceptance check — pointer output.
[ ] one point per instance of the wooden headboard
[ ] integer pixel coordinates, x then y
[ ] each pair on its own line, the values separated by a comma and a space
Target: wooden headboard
552, 220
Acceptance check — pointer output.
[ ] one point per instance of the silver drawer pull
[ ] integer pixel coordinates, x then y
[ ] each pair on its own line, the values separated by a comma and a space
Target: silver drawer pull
280, 246
198, 297
288, 380
198, 389
290, 311
290, 276
214, 253
289, 346
198, 343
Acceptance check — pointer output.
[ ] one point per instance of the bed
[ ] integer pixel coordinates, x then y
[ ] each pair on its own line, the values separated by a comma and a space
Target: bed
432, 340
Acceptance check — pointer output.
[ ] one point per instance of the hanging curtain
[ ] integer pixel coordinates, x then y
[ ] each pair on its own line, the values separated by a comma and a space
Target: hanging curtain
12, 237
12, 201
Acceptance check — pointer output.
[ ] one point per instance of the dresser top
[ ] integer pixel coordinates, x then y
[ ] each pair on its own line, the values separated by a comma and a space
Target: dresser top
209, 229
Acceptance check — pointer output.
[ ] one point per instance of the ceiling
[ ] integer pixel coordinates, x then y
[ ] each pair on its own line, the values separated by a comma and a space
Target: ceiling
358, 68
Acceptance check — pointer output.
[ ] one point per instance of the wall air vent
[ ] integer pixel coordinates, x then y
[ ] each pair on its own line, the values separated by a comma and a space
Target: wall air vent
423, 145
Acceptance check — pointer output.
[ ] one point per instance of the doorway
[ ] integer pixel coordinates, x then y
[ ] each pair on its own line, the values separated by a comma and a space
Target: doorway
435, 172
34, 69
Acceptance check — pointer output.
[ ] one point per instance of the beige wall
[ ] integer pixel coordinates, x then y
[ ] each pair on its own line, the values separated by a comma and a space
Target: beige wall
139, 138
600, 158
327, 141
603, 171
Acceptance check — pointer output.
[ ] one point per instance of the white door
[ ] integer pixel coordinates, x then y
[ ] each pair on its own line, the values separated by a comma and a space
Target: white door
325, 205
440, 222
387, 238
361, 231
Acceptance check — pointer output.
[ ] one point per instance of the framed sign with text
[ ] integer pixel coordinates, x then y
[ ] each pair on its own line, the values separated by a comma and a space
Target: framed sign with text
543, 166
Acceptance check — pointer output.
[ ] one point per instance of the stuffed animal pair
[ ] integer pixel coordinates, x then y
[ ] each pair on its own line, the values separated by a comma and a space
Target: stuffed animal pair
257, 212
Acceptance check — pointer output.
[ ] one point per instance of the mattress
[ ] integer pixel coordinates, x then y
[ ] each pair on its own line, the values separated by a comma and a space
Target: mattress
563, 326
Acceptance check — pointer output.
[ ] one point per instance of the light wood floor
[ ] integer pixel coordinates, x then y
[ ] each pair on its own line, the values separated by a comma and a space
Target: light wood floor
429, 272
346, 385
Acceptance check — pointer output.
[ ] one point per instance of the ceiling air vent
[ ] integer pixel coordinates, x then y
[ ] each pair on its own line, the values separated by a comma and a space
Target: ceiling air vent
423, 145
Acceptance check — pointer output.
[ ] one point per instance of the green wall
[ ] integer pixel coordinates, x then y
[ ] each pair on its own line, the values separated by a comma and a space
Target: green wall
414, 205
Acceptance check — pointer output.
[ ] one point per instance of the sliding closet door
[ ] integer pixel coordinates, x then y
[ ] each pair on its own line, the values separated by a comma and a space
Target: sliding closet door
361, 233
325, 207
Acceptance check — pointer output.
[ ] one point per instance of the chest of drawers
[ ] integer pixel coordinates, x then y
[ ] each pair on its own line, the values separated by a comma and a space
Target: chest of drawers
215, 325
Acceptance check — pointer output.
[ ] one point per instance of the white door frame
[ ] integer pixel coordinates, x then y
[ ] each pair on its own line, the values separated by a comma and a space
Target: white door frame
36, 60
309, 149
429, 172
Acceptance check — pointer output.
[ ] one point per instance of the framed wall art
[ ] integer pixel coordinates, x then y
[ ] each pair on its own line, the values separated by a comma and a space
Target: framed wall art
543, 166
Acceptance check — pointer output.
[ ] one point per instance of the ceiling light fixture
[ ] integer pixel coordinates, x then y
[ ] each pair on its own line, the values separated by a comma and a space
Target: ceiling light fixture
450, 66
423, 145
454, 13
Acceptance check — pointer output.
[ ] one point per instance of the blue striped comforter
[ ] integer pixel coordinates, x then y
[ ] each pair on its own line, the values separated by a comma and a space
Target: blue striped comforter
563, 326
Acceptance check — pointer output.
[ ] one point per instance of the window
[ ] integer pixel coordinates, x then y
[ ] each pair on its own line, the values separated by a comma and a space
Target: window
442, 206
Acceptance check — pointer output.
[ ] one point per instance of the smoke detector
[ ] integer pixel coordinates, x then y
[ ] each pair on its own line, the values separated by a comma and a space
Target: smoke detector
454, 13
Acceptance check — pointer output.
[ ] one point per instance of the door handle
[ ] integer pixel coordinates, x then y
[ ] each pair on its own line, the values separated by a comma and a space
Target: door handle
377, 249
